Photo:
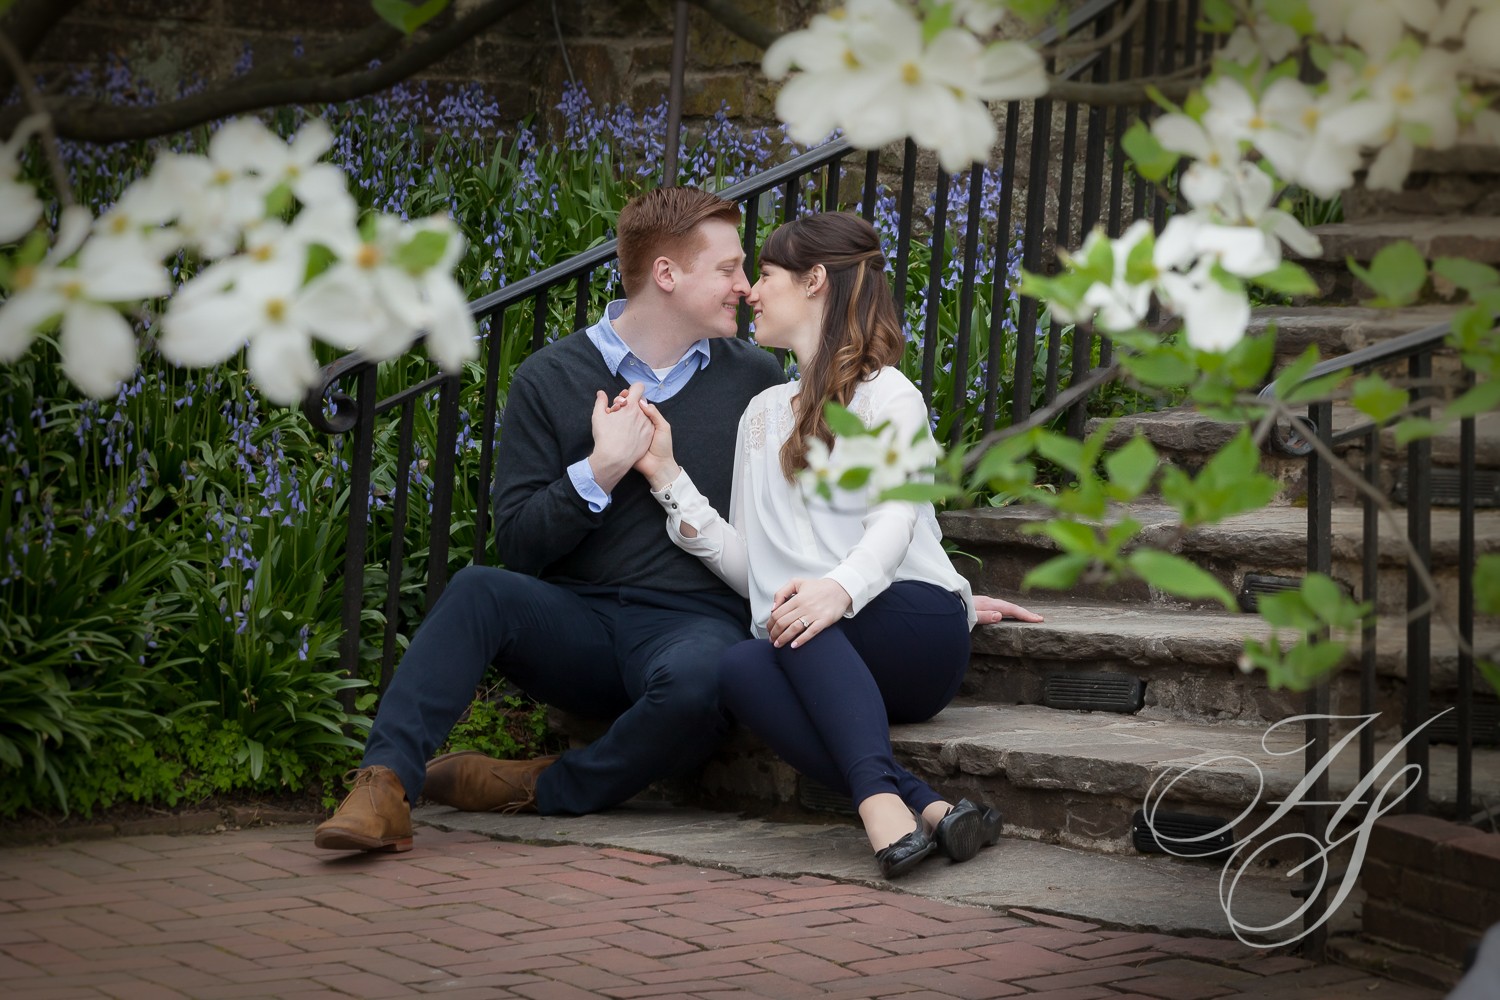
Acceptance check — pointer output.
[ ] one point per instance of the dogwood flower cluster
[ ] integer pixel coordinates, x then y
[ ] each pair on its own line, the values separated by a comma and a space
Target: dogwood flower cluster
267, 285
874, 460
869, 69
1397, 75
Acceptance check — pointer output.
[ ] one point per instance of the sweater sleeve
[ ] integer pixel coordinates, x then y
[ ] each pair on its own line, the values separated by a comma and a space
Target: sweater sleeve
718, 543
871, 565
539, 515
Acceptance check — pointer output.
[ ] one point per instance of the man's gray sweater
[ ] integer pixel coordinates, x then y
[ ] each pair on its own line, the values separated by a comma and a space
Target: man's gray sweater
543, 527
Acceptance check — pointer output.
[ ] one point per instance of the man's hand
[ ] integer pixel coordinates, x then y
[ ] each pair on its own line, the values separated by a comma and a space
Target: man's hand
622, 433
657, 464
803, 608
992, 609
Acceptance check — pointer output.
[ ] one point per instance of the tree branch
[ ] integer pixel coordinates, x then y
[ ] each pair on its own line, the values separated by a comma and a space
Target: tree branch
730, 16
1091, 45
326, 78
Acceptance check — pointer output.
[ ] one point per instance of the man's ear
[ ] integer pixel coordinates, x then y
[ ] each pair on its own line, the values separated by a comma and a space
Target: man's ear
664, 273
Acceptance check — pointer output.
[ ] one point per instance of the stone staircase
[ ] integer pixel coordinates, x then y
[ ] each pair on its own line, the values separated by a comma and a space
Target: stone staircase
1076, 778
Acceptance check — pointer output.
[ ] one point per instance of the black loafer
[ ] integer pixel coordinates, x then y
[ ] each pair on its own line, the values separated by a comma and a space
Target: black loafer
966, 829
901, 857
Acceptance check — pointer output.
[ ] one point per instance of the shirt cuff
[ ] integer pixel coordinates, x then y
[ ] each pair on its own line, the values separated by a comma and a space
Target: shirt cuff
682, 502
582, 476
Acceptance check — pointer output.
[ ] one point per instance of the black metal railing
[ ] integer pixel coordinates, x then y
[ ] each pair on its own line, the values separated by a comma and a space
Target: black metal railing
1075, 163
1318, 440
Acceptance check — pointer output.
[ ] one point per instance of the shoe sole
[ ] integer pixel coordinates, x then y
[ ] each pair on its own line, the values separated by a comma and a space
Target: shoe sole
344, 840
963, 839
439, 794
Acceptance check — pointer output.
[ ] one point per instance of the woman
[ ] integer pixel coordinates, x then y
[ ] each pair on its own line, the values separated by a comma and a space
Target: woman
860, 618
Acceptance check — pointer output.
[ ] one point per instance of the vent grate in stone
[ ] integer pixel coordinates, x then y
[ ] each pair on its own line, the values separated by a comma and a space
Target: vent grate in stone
1178, 833
1445, 487
815, 796
1094, 692
1258, 584
1484, 726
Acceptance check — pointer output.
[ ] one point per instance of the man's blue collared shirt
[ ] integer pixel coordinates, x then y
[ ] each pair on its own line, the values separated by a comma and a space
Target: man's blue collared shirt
621, 360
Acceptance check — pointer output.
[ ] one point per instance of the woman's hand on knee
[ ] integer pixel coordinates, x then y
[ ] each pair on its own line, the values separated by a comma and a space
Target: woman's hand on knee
803, 608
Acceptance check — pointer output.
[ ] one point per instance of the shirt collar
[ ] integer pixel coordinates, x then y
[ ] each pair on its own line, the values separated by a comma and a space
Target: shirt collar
615, 350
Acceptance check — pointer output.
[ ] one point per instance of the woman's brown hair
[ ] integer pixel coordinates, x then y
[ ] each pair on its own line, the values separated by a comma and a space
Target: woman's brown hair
861, 331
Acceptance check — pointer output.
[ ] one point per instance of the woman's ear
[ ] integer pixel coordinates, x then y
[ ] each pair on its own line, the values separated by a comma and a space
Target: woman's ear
817, 280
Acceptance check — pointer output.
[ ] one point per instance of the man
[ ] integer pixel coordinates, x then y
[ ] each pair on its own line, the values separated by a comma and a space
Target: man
597, 612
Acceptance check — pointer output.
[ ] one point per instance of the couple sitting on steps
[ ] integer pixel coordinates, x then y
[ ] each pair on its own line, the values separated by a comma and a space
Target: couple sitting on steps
858, 618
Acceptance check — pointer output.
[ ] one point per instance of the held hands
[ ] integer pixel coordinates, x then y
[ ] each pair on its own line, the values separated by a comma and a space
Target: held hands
657, 464
803, 608
622, 434
992, 609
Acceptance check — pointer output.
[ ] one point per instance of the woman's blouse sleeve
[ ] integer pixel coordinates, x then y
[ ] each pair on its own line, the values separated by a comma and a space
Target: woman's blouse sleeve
870, 567
718, 543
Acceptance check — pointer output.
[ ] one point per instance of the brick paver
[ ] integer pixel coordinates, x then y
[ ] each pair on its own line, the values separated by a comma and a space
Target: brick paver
262, 913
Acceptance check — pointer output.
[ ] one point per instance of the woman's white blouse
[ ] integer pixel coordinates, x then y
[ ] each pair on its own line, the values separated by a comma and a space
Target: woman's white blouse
777, 530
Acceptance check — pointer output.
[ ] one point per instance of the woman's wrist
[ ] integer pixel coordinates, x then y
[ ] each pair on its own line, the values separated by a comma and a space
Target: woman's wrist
663, 476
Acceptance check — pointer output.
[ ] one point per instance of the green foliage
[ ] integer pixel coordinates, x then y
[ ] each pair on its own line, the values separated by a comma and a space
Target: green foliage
407, 17
502, 724
1321, 619
1396, 274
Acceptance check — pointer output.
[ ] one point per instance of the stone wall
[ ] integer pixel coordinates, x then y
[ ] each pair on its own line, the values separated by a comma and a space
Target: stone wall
1431, 886
619, 51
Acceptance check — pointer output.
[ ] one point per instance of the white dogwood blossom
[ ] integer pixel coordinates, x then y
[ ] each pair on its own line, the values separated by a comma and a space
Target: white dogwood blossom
20, 208
873, 74
78, 284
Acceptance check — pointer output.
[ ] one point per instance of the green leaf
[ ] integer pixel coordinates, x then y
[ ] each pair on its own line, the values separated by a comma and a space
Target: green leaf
1396, 274
1288, 278
1287, 609
1321, 593
1140, 265
1131, 468
1177, 576
1470, 275
279, 201
1378, 399
1249, 361
1058, 573
1490, 672
921, 492
1295, 372
842, 422
1295, 14
422, 251
1309, 662
1218, 16
1152, 161
1166, 368
855, 478
1318, 388
1481, 398
405, 17
1416, 428
939, 19
1061, 450
1071, 536
1487, 584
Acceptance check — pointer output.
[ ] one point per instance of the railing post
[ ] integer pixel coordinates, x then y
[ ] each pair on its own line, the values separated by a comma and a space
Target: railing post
1418, 600
352, 598
1319, 560
441, 525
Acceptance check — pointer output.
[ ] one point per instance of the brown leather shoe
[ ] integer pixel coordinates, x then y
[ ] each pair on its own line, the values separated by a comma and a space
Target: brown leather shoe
374, 816
473, 782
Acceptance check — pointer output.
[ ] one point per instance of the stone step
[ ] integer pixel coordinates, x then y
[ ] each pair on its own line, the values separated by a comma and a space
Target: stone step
1271, 541
1338, 330
1188, 438
1476, 237
1077, 778
1453, 181
1189, 662
1145, 892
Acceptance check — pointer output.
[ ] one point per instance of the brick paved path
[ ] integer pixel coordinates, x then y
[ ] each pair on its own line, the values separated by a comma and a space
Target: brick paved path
261, 913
